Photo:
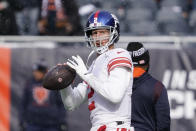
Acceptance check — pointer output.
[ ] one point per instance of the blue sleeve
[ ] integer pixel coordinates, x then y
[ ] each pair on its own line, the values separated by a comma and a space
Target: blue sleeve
162, 110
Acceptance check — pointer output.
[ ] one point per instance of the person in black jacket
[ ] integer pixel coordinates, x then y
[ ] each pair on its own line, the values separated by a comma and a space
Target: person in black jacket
150, 110
41, 109
7, 17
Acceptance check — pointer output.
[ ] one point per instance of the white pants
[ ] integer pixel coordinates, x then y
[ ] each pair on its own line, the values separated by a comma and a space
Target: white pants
113, 127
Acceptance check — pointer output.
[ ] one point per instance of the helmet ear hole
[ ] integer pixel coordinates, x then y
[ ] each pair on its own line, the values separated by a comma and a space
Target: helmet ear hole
89, 33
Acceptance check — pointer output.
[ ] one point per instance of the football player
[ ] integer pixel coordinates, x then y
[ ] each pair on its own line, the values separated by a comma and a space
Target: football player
108, 82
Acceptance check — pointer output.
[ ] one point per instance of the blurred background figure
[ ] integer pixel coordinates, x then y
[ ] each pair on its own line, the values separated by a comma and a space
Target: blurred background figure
41, 109
7, 17
59, 17
27, 17
152, 113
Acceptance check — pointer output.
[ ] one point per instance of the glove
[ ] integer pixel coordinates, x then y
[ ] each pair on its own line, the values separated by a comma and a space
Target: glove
80, 68
78, 65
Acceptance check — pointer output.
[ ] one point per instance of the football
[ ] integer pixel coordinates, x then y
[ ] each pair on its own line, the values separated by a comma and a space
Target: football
59, 77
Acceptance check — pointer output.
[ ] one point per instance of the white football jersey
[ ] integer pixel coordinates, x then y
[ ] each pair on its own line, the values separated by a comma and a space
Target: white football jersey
102, 110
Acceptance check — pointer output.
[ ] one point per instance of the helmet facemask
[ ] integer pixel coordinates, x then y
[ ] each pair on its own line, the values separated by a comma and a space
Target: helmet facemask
97, 43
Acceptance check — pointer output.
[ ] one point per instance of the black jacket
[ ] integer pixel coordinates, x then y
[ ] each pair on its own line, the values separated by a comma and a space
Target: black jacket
7, 19
150, 106
41, 107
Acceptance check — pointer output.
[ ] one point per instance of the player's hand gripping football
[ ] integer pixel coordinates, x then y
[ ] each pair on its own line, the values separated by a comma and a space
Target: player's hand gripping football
78, 65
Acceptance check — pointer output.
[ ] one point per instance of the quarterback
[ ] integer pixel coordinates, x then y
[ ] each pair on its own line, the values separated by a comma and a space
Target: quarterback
107, 83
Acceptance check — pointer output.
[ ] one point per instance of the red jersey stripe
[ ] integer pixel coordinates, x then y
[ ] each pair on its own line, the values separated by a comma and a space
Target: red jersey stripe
123, 129
118, 58
90, 94
91, 106
119, 63
102, 128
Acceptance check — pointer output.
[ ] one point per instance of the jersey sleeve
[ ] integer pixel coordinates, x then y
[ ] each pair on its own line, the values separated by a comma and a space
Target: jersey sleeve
119, 58
114, 88
73, 97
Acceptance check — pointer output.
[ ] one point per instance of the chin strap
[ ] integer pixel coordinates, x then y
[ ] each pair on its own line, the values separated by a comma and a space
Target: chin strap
87, 62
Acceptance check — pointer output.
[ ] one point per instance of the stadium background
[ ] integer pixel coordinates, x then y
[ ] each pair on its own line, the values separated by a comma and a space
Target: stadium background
173, 63
166, 31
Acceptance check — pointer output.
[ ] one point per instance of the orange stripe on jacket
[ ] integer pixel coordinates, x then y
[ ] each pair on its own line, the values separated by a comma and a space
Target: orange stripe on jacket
5, 89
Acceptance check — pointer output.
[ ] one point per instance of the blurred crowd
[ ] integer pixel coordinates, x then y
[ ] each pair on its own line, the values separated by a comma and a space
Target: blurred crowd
152, 17
39, 17
63, 17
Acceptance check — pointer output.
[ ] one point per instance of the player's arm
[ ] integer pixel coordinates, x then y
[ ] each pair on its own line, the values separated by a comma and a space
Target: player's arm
73, 97
114, 87
162, 110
